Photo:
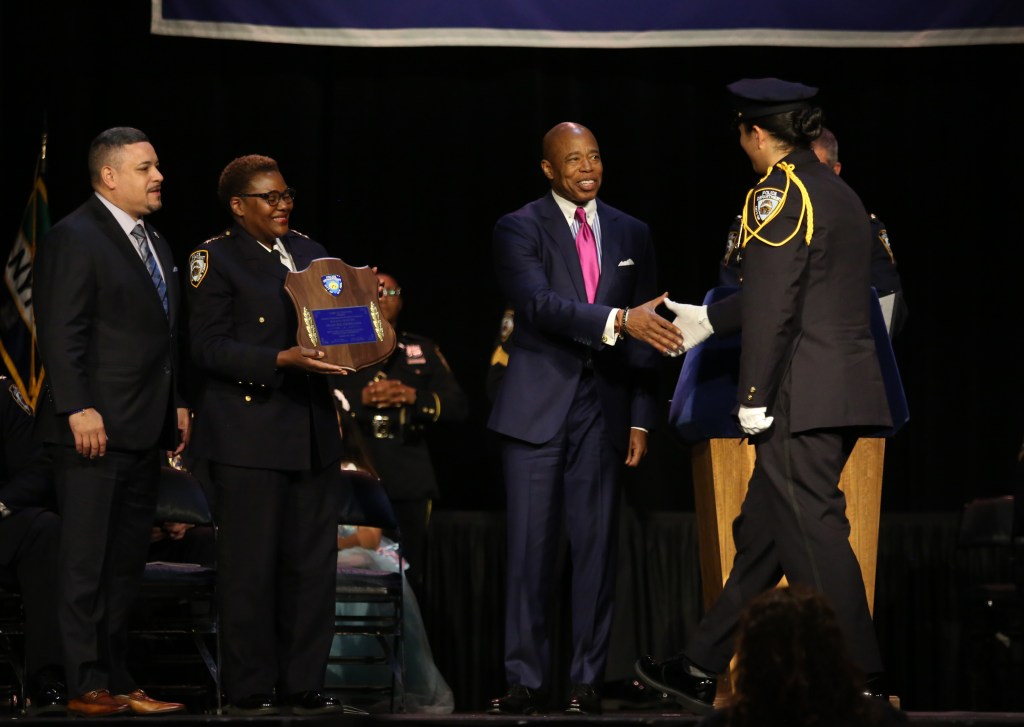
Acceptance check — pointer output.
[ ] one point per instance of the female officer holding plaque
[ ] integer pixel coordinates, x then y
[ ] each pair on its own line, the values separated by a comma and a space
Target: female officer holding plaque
266, 424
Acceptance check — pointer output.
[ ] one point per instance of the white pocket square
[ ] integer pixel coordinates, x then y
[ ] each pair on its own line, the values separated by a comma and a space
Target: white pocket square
627, 261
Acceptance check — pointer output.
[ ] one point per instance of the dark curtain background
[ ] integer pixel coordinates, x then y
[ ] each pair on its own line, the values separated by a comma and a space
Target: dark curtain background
404, 159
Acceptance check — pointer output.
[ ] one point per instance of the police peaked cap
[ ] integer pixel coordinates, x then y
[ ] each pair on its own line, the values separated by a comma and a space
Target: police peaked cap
754, 98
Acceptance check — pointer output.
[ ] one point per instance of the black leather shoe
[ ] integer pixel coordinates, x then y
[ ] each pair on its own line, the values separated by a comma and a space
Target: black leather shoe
584, 699
517, 700
313, 702
694, 694
254, 705
875, 686
49, 698
633, 694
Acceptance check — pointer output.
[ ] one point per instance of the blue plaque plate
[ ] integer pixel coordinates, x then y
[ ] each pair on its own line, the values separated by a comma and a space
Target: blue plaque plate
338, 326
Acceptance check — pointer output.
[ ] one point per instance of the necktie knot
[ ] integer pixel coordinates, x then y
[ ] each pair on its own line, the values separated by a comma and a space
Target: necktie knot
140, 236
586, 246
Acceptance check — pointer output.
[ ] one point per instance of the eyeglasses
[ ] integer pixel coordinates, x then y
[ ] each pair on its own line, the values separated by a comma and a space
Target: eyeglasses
385, 292
272, 198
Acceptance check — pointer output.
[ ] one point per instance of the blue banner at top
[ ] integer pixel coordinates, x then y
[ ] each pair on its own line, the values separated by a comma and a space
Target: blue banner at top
597, 23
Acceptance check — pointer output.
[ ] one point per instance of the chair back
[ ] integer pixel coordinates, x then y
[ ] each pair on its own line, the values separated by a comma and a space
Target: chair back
182, 499
362, 500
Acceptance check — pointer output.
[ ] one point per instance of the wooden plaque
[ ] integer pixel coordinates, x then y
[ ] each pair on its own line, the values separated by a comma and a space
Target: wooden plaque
338, 313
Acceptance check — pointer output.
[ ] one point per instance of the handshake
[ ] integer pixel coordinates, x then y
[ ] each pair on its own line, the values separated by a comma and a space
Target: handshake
689, 328
692, 322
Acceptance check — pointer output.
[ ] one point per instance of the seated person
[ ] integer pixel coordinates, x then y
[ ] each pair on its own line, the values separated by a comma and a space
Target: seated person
425, 689
29, 533
793, 669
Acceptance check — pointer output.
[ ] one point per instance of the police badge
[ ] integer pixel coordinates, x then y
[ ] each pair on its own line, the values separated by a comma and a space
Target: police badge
338, 313
766, 202
198, 264
332, 284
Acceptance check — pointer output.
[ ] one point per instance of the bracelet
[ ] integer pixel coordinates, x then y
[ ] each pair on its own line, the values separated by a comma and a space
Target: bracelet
622, 326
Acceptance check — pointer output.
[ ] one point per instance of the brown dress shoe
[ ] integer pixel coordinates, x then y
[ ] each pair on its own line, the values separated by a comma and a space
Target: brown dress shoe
141, 703
97, 703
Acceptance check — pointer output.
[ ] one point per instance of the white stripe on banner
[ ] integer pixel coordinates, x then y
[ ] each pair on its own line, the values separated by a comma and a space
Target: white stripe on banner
542, 23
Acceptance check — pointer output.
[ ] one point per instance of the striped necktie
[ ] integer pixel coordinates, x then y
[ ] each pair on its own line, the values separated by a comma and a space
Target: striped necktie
154, 272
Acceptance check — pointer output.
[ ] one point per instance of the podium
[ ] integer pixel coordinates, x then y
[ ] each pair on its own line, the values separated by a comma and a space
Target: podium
723, 460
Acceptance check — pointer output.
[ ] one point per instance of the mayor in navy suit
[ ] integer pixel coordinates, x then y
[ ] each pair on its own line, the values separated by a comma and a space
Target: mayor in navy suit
106, 300
575, 404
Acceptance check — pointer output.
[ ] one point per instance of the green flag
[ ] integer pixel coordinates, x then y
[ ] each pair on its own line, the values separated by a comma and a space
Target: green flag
18, 349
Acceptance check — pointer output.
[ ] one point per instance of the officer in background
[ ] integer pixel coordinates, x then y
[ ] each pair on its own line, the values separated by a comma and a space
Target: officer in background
885, 277
29, 535
499, 357
395, 403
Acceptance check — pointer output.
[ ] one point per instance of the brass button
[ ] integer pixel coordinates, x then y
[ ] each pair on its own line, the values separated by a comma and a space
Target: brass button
262, 319
248, 398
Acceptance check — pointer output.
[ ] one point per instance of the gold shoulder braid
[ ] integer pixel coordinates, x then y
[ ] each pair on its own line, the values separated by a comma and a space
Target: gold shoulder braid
806, 207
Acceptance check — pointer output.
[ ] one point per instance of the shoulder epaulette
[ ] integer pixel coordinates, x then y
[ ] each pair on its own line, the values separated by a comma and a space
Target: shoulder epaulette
221, 236
766, 202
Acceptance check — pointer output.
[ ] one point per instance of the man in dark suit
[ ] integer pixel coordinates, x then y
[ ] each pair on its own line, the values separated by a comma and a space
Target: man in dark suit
810, 383
575, 403
106, 304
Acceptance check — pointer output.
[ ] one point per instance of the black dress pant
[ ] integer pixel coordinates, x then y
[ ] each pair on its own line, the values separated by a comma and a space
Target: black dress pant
107, 506
276, 562
793, 523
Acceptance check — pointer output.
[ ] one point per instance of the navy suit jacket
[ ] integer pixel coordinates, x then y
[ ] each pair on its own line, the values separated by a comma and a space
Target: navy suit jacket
558, 333
103, 334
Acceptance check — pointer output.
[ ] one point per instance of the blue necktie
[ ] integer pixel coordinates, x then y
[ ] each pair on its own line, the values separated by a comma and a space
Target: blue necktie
154, 272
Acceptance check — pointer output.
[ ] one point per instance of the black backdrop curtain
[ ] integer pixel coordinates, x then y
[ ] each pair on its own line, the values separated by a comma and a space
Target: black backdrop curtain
404, 158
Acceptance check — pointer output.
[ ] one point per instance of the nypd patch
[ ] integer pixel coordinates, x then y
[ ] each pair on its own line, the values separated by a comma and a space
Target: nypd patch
198, 264
766, 202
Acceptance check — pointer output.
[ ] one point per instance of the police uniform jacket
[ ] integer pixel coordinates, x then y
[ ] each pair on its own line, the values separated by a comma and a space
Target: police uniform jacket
26, 481
395, 436
884, 276
249, 412
804, 311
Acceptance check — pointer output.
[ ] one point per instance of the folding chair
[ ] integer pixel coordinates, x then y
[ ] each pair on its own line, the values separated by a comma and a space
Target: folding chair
369, 608
994, 606
178, 603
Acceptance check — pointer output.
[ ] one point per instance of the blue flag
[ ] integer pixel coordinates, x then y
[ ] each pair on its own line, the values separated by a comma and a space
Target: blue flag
18, 348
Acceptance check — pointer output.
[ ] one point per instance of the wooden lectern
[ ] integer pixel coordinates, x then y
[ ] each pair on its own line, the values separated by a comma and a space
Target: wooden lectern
721, 470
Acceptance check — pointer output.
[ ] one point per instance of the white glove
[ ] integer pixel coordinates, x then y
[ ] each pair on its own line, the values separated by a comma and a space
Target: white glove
753, 421
692, 321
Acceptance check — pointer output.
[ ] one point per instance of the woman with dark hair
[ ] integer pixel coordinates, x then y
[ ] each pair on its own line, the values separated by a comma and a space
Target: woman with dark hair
810, 383
793, 668
266, 424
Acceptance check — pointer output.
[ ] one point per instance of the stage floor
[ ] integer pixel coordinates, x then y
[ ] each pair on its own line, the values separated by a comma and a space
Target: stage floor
467, 719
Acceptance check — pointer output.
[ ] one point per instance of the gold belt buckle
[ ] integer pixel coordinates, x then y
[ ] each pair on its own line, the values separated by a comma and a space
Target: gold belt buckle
381, 425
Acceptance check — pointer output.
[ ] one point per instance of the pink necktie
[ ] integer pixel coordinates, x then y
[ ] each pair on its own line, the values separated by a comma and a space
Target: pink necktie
586, 246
